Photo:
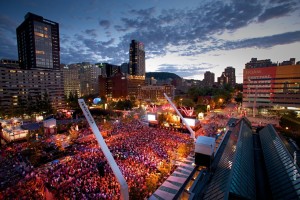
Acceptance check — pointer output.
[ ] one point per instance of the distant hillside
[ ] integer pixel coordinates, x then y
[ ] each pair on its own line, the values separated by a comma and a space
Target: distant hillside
162, 75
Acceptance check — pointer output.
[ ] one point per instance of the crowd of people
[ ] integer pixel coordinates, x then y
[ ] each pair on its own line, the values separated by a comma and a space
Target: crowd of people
211, 125
137, 149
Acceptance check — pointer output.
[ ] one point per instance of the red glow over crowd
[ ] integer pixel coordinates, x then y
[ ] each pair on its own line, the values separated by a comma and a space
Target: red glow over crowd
137, 149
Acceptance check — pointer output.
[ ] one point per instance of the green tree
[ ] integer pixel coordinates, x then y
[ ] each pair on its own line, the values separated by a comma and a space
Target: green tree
188, 103
46, 105
239, 97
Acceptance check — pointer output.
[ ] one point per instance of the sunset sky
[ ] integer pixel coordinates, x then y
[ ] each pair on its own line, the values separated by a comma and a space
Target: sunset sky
184, 37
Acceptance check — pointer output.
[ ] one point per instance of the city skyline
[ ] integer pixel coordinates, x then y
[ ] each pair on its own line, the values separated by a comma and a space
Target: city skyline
186, 38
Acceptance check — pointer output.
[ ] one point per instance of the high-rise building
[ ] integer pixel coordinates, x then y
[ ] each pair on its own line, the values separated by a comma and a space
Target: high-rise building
273, 86
37, 73
71, 80
81, 78
108, 70
88, 76
230, 73
17, 85
116, 83
38, 43
227, 77
259, 63
120, 86
223, 79
209, 79
156, 92
136, 58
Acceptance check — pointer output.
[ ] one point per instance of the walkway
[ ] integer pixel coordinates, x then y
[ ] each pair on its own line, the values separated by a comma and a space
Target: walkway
175, 181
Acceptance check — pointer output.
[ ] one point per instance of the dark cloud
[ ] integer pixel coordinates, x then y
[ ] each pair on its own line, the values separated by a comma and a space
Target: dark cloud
191, 31
109, 42
143, 12
108, 34
91, 32
104, 23
277, 11
188, 31
264, 42
186, 27
120, 28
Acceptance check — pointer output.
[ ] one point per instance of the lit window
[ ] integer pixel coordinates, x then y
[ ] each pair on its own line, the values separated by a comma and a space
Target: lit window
39, 34
40, 52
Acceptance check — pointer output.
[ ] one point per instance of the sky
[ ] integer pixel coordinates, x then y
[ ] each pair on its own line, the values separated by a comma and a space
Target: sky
185, 37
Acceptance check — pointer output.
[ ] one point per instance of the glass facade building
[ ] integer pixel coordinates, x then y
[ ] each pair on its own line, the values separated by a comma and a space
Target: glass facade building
38, 43
136, 58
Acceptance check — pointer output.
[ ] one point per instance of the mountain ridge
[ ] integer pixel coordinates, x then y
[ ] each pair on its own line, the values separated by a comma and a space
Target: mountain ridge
162, 75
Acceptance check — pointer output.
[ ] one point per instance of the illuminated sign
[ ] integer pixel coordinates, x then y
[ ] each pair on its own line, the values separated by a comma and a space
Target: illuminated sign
151, 117
190, 122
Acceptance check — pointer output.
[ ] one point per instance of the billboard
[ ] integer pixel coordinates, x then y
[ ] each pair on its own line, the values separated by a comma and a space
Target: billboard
190, 122
259, 84
151, 117
266, 86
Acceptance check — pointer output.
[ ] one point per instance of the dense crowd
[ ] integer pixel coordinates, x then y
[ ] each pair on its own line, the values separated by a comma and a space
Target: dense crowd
137, 149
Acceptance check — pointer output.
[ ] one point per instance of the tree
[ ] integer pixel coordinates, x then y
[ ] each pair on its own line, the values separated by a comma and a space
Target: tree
46, 104
188, 103
239, 97
72, 100
30, 106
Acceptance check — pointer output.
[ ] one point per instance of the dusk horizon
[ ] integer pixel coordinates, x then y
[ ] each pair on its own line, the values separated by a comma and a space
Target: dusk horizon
185, 38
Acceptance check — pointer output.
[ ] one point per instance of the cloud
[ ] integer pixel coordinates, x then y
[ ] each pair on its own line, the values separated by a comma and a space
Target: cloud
188, 31
8, 41
91, 32
143, 12
104, 23
183, 32
64, 38
277, 11
8, 47
185, 70
264, 42
179, 27
7, 24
